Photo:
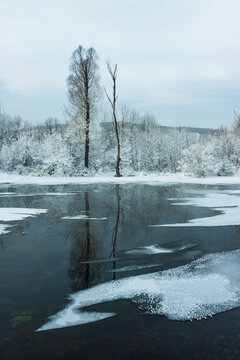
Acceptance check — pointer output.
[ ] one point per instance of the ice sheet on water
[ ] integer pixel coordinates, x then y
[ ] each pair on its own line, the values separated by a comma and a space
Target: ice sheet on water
15, 214
204, 287
4, 229
12, 194
227, 204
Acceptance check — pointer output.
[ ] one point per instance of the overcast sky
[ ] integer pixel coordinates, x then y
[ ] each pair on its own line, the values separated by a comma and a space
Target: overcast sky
177, 59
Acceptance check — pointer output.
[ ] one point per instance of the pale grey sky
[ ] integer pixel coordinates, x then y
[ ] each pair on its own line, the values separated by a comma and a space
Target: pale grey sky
177, 59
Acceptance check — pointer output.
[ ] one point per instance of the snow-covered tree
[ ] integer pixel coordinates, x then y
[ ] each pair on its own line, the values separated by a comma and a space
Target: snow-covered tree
56, 156
83, 89
21, 154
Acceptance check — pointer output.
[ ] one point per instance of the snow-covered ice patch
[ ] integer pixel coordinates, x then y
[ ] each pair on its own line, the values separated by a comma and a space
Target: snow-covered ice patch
12, 194
82, 217
203, 288
227, 204
149, 250
4, 229
16, 214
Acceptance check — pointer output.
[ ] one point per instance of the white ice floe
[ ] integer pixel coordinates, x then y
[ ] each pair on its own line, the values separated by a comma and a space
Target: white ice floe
203, 288
82, 217
16, 214
4, 229
12, 194
148, 179
149, 250
227, 205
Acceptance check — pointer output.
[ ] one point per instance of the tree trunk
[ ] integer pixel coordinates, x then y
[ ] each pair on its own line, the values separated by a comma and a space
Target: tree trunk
116, 125
118, 144
87, 135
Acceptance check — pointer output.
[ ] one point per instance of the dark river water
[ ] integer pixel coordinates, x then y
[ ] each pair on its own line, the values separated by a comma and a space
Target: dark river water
100, 234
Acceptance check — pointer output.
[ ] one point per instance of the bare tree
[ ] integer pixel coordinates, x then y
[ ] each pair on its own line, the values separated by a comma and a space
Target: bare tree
51, 125
113, 74
83, 88
236, 124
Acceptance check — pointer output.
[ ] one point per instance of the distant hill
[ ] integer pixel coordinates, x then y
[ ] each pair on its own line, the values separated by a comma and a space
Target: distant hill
164, 129
205, 131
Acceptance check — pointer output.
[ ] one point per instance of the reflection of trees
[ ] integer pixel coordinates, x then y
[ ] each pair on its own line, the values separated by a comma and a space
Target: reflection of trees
2, 246
83, 273
115, 230
236, 229
88, 247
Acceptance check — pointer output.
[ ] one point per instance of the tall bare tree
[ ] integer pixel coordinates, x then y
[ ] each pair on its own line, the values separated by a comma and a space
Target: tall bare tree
83, 88
113, 75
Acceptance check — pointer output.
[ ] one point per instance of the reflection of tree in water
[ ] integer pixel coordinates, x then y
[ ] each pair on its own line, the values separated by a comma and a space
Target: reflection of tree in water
115, 230
2, 245
237, 229
83, 273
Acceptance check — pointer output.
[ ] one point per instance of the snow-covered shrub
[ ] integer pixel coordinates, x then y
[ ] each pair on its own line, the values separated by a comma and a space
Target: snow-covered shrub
219, 156
20, 154
56, 156
226, 153
195, 160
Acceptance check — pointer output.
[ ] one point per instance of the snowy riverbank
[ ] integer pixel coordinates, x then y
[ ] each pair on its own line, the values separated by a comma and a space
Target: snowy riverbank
151, 178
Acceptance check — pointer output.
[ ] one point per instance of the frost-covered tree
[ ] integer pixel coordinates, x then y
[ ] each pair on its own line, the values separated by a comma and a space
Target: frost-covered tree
195, 160
83, 89
218, 155
21, 154
51, 125
11, 127
75, 138
57, 158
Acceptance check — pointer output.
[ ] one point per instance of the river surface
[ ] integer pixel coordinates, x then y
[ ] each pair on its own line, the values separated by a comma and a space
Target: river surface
119, 271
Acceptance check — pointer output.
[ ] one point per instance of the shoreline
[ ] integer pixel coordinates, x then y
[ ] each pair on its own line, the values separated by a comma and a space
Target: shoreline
6, 178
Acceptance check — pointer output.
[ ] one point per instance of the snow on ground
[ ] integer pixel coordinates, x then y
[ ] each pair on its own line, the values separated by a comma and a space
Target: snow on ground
228, 205
203, 288
152, 179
